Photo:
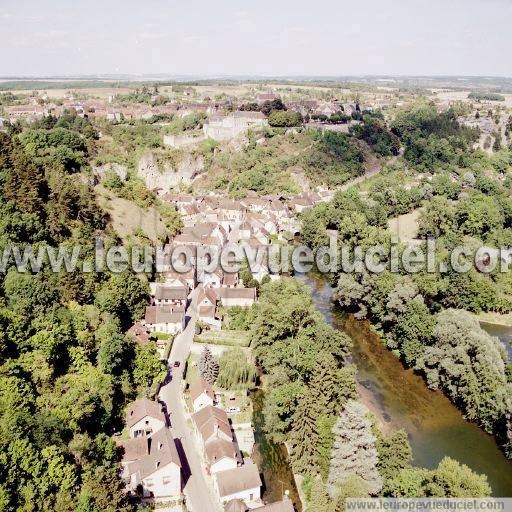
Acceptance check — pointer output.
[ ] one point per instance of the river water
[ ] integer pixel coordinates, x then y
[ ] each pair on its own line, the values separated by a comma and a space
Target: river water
503, 332
272, 459
400, 399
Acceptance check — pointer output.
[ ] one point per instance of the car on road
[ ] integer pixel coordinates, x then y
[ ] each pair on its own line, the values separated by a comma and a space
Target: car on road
176, 364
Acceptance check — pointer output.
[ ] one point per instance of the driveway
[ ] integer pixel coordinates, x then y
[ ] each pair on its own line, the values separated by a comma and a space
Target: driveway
199, 496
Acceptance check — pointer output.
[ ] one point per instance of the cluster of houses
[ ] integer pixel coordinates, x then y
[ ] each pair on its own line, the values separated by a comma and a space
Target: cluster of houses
236, 479
150, 464
101, 109
219, 126
253, 219
213, 222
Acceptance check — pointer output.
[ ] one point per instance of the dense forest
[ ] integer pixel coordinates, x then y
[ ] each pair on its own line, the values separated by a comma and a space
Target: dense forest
66, 368
423, 317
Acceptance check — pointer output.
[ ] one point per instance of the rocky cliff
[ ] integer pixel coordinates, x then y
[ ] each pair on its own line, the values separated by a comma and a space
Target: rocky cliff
167, 177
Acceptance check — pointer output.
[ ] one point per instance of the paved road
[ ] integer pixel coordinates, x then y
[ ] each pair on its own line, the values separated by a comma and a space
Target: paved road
198, 494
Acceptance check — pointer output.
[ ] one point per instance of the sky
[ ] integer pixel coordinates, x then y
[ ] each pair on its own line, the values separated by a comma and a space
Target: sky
264, 38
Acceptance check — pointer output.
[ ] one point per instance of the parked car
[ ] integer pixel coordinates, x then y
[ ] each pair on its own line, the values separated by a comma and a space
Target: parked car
176, 364
231, 410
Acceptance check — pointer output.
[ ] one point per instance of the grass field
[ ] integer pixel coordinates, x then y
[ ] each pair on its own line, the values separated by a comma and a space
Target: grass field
224, 337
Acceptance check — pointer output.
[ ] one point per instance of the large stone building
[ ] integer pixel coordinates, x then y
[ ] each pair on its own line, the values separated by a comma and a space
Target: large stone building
223, 128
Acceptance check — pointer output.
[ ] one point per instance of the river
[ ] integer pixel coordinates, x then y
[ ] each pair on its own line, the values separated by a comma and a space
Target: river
272, 459
503, 332
400, 399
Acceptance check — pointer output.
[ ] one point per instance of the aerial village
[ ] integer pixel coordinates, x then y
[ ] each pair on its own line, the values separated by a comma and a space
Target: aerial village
151, 463
194, 429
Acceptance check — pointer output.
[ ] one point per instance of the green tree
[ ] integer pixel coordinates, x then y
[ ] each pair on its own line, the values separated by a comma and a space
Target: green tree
303, 437
235, 371
354, 450
454, 480
468, 364
394, 452
207, 366
149, 371
320, 500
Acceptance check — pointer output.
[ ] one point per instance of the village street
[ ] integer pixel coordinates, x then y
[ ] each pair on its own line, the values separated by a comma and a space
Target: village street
199, 496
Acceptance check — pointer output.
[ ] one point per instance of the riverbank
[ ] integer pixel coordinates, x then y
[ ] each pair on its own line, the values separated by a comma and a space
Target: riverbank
491, 317
401, 399
367, 398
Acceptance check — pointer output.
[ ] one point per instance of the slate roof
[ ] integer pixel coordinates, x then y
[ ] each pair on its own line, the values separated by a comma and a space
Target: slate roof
161, 452
142, 408
239, 479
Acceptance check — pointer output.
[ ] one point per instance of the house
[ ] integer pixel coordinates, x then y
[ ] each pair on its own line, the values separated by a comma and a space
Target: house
240, 483
140, 333
201, 394
144, 417
299, 204
214, 430
235, 506
151, 466
262, 98
174, 278
212, 423
174, 295
211, 279
165, 319
221, 455
230, 297
233, 210
285, 505
207, 297
245, 230
210, 316
28, 112
230, 279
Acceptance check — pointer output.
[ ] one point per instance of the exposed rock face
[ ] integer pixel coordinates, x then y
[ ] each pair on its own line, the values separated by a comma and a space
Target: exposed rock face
101, 170
189, 168
168, 178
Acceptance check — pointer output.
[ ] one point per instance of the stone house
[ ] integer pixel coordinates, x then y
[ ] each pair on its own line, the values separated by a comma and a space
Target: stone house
201, 394
165, 319
217, 438
144, 417
230, 297
240, 483
170, 295
223, 128
151, 466
140, 333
